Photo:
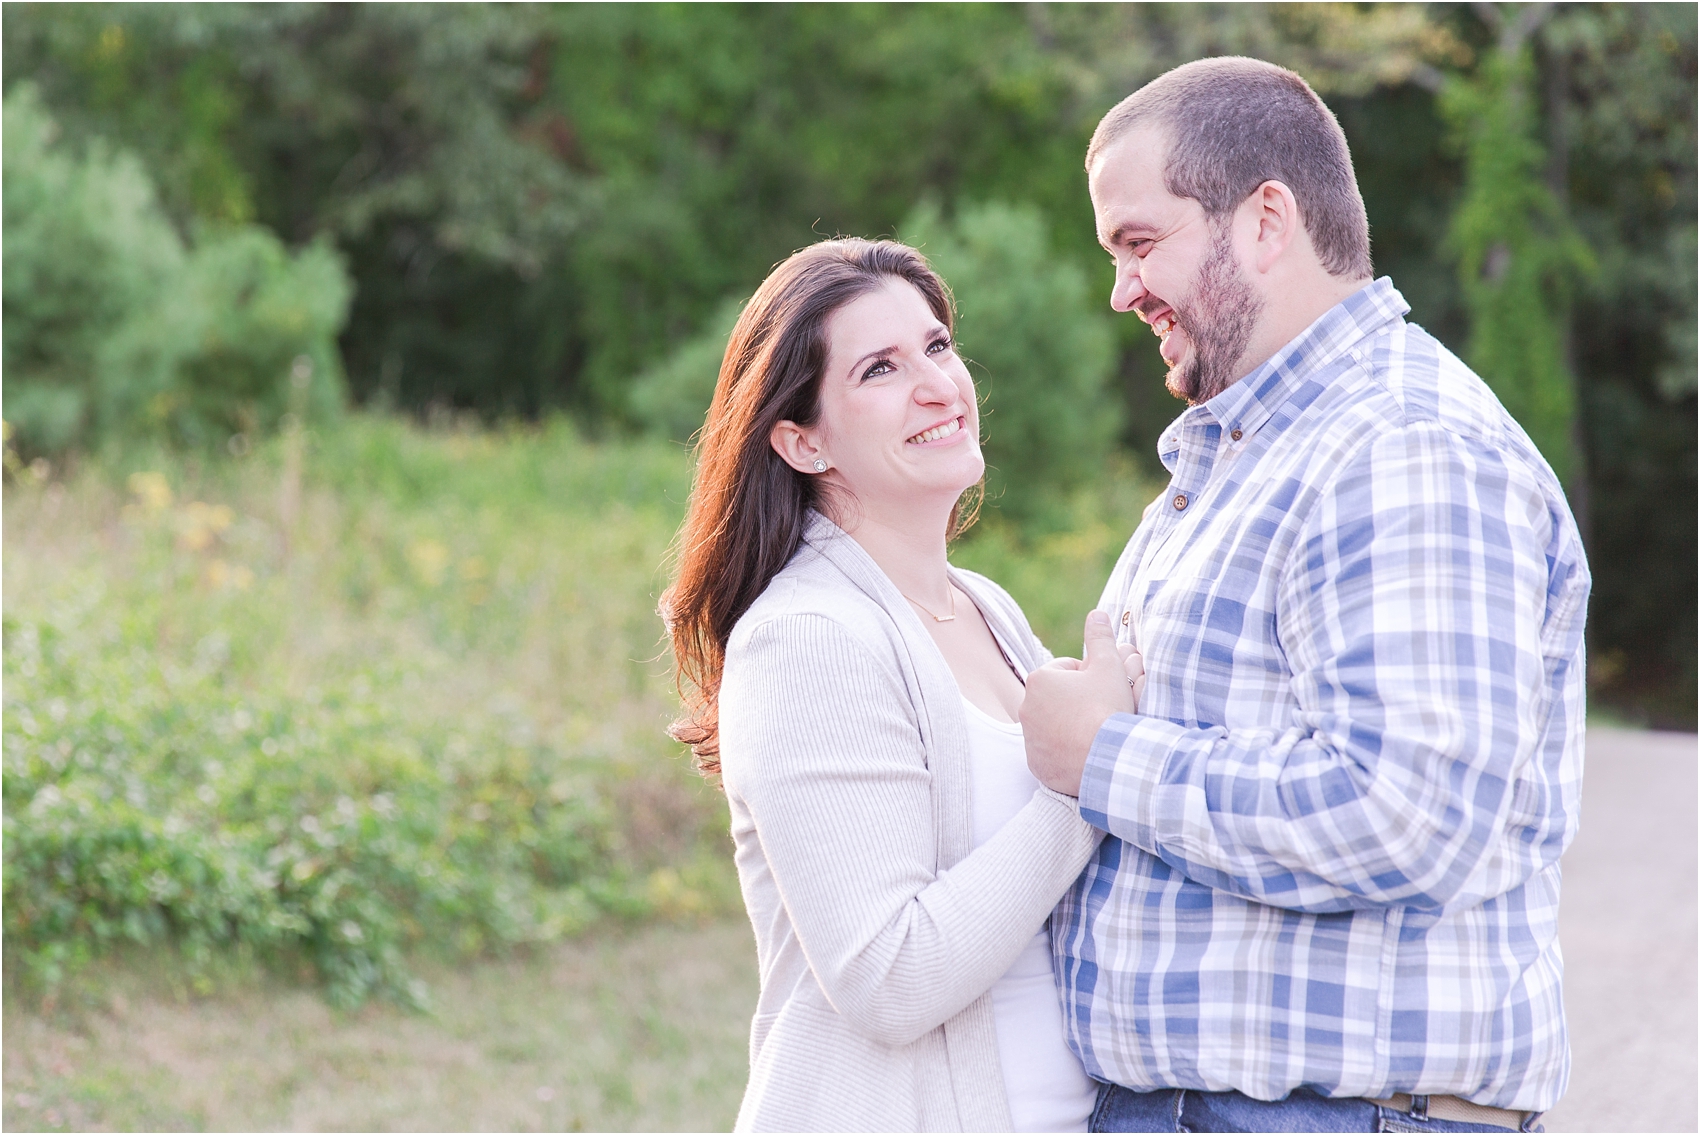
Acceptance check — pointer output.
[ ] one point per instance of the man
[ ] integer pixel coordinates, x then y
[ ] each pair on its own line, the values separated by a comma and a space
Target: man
1330, 900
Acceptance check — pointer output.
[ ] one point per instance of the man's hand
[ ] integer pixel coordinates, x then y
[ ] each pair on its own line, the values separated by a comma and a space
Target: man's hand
1068, 701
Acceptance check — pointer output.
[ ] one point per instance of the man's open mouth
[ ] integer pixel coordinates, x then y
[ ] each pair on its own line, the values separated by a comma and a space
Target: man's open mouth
1163, 324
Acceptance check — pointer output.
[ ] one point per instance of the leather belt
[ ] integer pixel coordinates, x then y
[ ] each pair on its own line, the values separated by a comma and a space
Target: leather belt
1454, 1109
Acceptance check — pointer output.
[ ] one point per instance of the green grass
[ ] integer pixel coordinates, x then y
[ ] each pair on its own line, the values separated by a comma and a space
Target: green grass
641, 1029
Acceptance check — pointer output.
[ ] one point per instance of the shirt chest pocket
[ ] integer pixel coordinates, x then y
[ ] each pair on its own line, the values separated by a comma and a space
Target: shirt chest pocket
1212, 651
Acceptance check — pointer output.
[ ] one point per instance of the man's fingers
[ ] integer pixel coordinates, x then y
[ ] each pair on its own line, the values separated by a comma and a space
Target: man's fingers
1134, 663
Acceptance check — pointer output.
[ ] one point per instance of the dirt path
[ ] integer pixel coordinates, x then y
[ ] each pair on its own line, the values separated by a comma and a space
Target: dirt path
1628, 927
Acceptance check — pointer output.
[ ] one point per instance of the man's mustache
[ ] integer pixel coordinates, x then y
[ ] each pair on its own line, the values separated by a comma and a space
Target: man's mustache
1151, 304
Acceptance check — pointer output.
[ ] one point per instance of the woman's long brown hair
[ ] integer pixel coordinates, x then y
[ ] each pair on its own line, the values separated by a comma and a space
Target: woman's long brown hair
748, 507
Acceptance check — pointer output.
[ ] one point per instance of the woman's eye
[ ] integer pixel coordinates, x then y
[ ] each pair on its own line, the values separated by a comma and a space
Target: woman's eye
879, 367
938, 345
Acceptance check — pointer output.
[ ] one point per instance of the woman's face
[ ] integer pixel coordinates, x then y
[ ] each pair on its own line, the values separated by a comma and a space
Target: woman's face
899, 426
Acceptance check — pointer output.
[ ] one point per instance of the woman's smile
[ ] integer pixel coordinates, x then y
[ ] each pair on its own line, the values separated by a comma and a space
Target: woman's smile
898, 427
947, 429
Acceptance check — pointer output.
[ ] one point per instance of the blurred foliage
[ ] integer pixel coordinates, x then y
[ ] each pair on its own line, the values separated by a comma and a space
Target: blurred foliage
422, 712
416, 716
1040, 349
670, 398
1057, 575
1618, 91
1517, 253
538, 204
114, 327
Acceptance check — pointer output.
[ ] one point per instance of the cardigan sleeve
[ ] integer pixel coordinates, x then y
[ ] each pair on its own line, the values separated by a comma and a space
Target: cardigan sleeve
819, 740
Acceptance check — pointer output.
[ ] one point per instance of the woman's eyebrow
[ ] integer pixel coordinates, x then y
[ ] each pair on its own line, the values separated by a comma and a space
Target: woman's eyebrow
851, 369
933, 332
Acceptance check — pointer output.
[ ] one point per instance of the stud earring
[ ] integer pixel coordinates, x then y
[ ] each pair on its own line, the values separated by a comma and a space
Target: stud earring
820, 466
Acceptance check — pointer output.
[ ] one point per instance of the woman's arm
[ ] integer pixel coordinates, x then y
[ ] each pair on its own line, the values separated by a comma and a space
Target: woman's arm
818, 740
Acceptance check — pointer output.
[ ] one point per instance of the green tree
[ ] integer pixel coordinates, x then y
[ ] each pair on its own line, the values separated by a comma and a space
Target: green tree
539, 203
1618, 82
1040, 348
1517, 252
86, 248
114, 327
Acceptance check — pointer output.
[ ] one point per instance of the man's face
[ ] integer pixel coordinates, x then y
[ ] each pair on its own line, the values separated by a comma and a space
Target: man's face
1175, 269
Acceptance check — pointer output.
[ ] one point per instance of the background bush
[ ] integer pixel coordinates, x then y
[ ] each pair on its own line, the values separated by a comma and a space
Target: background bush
116, 328
421, 714
671, 398
1041, 349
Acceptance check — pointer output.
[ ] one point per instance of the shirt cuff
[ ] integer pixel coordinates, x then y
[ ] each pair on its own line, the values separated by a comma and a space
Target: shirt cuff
1124, 768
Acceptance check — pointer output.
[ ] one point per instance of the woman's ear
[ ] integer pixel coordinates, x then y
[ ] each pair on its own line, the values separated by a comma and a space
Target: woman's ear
796, 447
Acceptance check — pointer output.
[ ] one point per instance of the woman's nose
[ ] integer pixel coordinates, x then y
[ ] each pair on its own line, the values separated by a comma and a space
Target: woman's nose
934, 385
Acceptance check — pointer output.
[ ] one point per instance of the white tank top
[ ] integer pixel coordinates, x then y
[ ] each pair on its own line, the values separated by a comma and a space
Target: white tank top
1048, 1089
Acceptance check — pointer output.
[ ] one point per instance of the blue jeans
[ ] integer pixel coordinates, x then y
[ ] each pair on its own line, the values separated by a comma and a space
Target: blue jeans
1119, 1109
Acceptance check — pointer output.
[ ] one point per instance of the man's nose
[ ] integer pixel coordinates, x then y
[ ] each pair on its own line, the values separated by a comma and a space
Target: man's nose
1129, 288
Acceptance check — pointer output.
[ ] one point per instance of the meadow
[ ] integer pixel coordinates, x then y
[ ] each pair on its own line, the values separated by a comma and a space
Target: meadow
367, 710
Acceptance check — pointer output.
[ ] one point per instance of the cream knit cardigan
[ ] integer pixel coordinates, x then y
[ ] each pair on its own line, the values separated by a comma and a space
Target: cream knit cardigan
844, 748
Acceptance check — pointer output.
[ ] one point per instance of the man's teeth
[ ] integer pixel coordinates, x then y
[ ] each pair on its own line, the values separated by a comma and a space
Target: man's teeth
1163, 324
937, 432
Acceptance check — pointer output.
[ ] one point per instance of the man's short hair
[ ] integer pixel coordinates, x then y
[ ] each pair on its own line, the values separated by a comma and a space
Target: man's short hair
1234, 123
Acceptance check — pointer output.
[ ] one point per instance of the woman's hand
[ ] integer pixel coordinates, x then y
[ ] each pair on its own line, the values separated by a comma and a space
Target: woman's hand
1069, 699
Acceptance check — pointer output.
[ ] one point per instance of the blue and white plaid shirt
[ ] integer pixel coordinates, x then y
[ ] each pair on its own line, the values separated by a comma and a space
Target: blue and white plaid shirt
1339, 813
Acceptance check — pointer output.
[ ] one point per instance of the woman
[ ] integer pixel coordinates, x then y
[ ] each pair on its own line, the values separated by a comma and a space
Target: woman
859, 697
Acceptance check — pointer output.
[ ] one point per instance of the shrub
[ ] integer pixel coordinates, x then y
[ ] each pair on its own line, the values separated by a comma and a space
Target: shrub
115, 328
671, 398
419, 716
1043, 350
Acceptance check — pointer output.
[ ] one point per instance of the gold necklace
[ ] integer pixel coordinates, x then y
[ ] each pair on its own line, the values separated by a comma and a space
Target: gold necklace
936, 618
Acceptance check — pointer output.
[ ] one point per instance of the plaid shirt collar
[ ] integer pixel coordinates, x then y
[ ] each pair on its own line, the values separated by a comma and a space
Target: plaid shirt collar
1249, 403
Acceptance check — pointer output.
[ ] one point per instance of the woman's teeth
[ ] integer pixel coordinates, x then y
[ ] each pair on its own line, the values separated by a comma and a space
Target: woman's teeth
937, 432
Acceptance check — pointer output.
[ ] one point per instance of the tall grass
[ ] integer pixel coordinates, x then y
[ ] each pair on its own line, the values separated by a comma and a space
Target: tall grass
411, 699
370, 691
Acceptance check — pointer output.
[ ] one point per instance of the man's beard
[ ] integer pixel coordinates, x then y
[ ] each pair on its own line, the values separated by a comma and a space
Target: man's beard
1218, 319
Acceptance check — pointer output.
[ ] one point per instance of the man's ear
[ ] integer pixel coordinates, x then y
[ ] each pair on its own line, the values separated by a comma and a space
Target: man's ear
1276, 213
796, 447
